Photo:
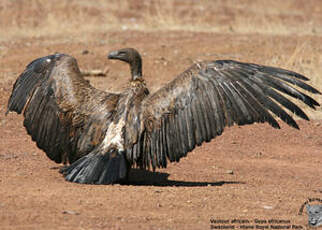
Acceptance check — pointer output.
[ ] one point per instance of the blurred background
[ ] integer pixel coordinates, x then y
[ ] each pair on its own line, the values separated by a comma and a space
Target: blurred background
56, 18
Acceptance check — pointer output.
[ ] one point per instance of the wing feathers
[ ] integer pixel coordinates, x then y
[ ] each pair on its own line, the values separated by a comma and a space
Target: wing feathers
164, 151
296, 82
285, 102
60, 107
212, 126
285, 88
197, 128
204, 114
189, 131
200, 102
36, 72
279, 72
217, 106
226, 106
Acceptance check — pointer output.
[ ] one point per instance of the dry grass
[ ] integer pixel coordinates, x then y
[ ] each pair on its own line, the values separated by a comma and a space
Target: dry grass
51, 18
57, 18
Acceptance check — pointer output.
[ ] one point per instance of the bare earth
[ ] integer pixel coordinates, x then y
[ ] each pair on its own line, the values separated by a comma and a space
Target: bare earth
250, 172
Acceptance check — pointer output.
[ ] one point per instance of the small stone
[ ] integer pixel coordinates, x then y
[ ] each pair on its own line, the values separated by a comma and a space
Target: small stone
8, 156
70, 212
230, 172
84, 52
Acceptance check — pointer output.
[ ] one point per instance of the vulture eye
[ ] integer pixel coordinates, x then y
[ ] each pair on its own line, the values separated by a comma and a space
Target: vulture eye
122, 54
116, 54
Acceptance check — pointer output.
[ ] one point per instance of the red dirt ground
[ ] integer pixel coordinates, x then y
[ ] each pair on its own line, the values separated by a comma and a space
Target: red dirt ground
250, 172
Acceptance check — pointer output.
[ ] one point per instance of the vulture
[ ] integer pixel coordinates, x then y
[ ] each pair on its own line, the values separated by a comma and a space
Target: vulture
100, 135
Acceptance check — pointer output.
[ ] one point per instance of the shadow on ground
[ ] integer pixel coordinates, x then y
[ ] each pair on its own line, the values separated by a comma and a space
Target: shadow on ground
147, 178
139, 177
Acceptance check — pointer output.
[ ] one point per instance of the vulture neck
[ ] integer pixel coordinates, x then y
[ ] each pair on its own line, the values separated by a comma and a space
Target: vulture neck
136, 68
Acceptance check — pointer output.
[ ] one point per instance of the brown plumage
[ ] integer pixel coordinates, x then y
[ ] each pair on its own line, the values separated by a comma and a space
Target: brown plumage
103, 134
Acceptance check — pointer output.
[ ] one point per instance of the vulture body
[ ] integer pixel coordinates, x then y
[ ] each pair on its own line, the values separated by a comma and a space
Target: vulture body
102, 135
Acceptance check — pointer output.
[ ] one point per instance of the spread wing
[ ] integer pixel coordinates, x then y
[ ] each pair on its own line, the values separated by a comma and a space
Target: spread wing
203, 100
63, 113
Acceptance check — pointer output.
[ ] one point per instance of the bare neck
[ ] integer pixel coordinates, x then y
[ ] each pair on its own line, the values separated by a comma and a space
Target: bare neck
136, 68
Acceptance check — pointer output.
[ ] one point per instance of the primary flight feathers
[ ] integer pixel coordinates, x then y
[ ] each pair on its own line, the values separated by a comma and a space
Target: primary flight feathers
103, 134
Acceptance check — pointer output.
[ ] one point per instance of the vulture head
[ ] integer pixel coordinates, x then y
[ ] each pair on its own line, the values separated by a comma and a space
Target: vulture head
131, 56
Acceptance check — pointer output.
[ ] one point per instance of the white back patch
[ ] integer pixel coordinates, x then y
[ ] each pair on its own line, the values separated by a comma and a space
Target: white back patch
114, 135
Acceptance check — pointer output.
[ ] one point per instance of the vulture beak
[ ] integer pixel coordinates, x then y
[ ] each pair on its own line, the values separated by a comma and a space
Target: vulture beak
113, 55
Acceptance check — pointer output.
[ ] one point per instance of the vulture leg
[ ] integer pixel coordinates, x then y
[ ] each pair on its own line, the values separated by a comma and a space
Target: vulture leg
97, 168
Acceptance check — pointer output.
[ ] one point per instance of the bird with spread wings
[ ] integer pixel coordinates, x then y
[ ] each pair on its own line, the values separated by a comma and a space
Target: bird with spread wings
101, 135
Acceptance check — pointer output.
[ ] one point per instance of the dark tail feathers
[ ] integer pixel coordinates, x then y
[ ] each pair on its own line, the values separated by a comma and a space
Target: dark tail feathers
93, 168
